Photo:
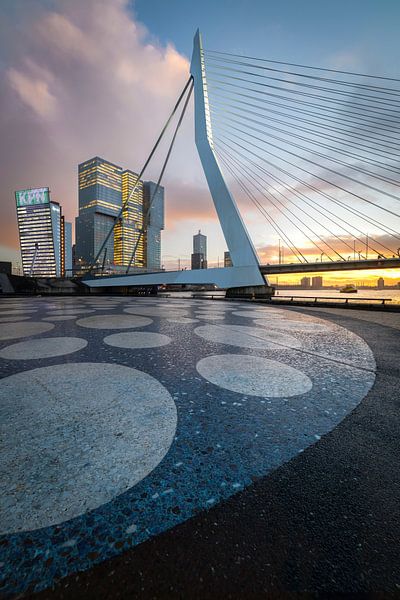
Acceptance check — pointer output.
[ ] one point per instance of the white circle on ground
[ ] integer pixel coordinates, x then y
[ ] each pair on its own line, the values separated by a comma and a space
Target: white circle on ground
292, 325
14, 319
17, 313
43, 348
87, 448
71, 311
60, 318
113, 322
156, 311
182, 320
137, 339
9, 331
259, 314
210, 317
254, 375
247, 337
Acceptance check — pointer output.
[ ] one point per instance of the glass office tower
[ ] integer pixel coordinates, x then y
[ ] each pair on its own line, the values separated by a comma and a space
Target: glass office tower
100, 200
154, 206
128, 236
199, 256
41, 233
103, 189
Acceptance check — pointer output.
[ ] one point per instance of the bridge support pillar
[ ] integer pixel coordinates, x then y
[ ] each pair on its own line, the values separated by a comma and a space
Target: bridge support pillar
251, 292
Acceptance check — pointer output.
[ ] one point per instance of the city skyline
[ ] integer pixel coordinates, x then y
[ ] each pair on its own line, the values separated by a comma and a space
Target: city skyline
47, 104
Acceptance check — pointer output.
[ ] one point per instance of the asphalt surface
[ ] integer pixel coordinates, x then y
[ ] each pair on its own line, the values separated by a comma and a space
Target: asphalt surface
323, 524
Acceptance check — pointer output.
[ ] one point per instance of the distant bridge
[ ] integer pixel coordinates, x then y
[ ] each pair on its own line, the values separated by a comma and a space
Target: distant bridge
337, 265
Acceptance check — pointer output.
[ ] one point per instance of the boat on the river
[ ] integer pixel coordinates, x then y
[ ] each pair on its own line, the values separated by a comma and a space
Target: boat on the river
349, 289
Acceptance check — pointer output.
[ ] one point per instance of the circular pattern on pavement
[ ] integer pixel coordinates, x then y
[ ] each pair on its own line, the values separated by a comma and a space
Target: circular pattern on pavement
156, 311
60, 318
43, 348
183, 320
9, 331
254, 375
210, 317
87, 447
137, 339
259, 314
113, 322
292, 325
13, 319
246, 337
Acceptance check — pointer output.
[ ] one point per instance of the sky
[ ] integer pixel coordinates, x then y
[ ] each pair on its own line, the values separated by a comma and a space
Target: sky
99, 77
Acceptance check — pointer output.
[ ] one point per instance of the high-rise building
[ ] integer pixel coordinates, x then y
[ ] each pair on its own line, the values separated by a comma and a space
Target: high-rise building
381, 283
200, 244
199, 256
154, 210
104, 188
100, 200
316, 283
305, 283
128, 236
227, 259
68, 249
41, 233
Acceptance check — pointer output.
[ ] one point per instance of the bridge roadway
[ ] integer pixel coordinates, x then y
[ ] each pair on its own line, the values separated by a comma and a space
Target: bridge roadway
339, 265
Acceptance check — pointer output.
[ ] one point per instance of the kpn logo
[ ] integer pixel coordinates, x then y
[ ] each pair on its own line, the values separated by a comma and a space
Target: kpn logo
32, 196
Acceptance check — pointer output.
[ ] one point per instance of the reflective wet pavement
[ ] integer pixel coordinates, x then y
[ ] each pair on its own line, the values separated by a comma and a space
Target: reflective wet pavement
124, 417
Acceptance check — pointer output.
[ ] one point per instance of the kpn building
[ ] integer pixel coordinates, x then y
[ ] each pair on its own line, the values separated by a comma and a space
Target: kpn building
45, 237
104, 189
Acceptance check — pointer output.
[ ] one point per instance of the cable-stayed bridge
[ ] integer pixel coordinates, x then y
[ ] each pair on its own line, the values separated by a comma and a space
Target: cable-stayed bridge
314, 150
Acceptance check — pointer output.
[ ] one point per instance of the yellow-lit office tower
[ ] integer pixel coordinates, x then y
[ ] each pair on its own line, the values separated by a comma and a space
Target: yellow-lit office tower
128, 231
99, 204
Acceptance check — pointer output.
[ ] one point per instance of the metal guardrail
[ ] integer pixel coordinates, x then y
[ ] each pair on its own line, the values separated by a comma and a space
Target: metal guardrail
309, 299
336, 298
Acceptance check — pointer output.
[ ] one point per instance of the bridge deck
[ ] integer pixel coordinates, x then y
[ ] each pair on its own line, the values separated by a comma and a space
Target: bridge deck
340, 265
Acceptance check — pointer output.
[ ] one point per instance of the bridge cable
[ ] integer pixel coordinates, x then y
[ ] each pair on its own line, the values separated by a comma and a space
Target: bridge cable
374, 163
306, 66
311, 203
220, 105
322, 167
296, 205
313, 174
304, 196
296, 252
388, 104
364, 108
389, 123
390, 91
361, 120
238, 166
385, 228
147, 214
125, 204
240, 105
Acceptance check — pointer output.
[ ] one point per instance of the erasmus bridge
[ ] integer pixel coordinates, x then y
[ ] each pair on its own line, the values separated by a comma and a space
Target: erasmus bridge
317, 146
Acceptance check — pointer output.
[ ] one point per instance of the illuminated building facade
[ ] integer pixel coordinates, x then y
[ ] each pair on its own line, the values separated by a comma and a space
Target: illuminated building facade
127, 232
103, 190
41, 229
99, 203
154, 206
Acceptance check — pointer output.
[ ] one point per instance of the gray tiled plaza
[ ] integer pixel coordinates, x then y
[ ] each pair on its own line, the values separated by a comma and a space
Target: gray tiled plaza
120, 425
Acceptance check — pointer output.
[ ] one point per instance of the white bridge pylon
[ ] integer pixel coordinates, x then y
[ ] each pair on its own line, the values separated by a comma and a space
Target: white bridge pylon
245, 270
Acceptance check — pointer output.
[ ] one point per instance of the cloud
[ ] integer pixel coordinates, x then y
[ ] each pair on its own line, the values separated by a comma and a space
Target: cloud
85, 79
33, 92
